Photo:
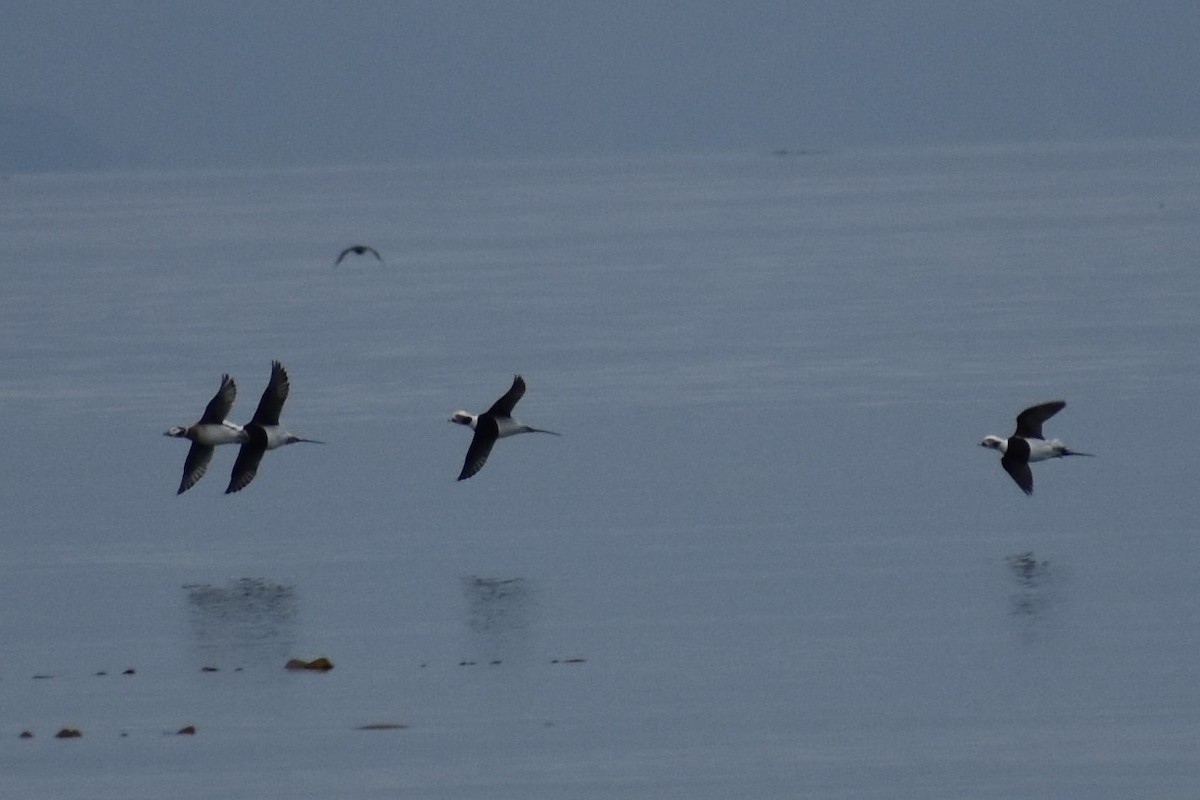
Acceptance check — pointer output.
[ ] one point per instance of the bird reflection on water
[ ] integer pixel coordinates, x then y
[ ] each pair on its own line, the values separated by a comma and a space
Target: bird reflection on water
1034, 578
499, 615
250, 619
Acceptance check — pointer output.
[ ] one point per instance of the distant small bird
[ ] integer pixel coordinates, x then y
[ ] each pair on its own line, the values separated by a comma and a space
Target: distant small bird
495, 423
1027, 445
263, 432
211, 430
358, 250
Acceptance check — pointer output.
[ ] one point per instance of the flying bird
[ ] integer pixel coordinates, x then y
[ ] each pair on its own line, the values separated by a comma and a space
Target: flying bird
263, 432
358, 250
211, 430
1027, 444
495, 423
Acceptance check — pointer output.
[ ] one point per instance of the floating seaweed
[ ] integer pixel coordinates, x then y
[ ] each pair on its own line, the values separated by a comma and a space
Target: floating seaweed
321, 664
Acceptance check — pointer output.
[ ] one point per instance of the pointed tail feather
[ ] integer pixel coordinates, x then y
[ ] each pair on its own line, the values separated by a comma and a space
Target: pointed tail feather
531, 429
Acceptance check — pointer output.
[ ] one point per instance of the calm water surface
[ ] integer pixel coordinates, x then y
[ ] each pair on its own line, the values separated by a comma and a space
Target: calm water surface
766, 559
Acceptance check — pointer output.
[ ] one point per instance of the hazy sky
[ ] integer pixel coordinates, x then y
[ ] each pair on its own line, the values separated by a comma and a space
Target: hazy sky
244, 82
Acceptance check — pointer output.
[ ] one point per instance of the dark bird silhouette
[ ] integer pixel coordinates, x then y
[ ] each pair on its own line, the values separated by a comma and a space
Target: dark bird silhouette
358, 250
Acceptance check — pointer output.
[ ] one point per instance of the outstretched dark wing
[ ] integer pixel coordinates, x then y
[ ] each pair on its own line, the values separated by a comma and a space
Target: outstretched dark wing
505, 405
358, 250
195, 465
1029, 421
249, 456
486, 433
1016, 463
273, 397
218, 408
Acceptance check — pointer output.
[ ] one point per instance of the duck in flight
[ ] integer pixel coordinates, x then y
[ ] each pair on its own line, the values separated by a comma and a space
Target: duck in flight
1027, 444
211, 430
263, 432
358, 250
495, 423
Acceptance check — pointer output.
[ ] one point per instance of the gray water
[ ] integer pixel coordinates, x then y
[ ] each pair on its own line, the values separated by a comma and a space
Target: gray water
767, 557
